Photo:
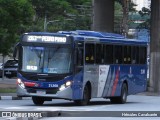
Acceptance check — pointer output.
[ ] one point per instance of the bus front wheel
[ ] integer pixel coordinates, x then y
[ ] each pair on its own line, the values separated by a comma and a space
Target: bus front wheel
38, 100
86, 97
123, 97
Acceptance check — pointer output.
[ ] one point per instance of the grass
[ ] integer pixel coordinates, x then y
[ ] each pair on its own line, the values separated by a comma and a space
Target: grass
7, 90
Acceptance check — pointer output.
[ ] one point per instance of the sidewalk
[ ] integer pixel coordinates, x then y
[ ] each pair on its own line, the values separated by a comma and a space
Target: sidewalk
8, 84
147, 93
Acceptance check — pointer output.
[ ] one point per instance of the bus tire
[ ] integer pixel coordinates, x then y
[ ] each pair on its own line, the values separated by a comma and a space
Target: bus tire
124, 93
86, 97
37, 100
123, 97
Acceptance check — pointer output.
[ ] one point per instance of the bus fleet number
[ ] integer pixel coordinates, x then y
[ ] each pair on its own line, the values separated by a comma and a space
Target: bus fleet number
52, 85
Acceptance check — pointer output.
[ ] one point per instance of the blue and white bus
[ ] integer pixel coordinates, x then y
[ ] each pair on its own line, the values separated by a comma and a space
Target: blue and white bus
80, 65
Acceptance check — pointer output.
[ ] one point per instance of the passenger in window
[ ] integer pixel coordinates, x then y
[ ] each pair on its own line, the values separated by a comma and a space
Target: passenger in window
87, 58
92, 58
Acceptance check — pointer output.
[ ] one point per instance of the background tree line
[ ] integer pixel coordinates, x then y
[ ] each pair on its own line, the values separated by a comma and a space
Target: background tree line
19, 16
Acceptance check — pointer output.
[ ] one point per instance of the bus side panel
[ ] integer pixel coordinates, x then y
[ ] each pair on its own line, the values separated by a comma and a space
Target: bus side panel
91, 74
77, 86
135, 76
109, 82
139, 78
126, 76
112, 83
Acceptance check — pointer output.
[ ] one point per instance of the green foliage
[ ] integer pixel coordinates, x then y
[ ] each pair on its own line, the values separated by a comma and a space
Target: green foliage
132, 7
78, 2
122, 15
145, 15
145, 11
68, 13
19, 16
118, 17
7, 90
15, 16
50, 7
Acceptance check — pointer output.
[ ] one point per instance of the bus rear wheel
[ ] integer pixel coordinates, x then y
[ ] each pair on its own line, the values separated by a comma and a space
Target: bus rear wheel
123, 97
86, 97
37, 100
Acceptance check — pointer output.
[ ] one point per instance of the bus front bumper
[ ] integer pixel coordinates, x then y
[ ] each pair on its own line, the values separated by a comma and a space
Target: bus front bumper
66, 93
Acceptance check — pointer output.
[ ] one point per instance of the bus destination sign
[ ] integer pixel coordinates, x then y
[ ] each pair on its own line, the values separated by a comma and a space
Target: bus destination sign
44, 39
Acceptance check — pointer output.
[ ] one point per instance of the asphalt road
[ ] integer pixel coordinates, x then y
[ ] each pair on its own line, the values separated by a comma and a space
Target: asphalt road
98, 107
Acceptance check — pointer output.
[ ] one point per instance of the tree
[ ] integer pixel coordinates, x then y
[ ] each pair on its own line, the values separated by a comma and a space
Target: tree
145, 14
49, 10
118, 15
62, 11
16, 16
127, 6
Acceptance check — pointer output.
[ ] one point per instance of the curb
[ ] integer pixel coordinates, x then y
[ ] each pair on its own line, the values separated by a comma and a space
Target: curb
14, 98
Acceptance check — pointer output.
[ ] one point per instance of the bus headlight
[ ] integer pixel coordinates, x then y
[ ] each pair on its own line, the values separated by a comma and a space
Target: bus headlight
68, 83
19, 82
62, 87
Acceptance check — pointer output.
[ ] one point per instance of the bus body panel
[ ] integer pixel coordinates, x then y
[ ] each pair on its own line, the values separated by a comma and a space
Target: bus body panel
65, 94
44, 89
135, 77
106, 79
91, 73
77, 86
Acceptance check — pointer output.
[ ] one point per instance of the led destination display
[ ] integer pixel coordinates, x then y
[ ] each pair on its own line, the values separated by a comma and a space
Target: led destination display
45, 39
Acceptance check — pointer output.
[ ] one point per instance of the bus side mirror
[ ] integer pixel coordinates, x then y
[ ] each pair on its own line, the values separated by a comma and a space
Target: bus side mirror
16, 47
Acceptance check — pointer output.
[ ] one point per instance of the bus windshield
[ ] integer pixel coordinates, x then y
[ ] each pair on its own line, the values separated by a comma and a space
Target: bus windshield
55, 60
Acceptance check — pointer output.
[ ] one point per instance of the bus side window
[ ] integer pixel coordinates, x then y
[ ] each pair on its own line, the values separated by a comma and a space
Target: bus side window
79, 57
108, 59
142, 55
118, 54
89, 53
127, 54
99, 54
135, 54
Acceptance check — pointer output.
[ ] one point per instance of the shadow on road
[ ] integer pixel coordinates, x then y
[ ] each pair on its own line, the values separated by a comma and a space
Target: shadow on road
72, 104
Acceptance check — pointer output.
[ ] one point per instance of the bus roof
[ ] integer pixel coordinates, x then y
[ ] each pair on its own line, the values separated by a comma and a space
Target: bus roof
88, 36
102, 37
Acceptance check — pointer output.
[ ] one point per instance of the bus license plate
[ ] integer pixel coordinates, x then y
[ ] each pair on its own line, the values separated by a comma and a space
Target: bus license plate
41, 92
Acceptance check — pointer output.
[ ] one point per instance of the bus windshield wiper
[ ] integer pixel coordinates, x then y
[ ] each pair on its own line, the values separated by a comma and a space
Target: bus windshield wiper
40, 57
51, 55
